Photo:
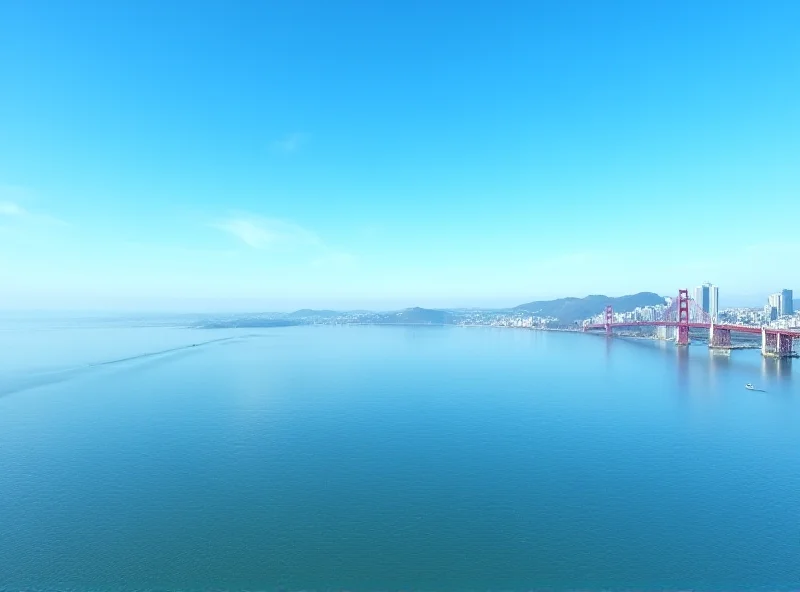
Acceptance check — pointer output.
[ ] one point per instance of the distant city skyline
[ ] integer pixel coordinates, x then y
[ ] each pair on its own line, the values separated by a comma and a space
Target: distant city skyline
383, 156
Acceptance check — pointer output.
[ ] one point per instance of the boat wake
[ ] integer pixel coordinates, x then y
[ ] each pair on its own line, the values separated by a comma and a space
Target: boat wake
35, 380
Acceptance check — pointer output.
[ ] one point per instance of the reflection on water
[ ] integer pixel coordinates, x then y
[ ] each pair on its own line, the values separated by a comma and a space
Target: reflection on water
781, 367
719, 362
698, 362
682, 353
719, 358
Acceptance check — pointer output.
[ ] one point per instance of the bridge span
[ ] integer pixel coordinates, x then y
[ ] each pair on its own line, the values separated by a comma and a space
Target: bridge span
684, 314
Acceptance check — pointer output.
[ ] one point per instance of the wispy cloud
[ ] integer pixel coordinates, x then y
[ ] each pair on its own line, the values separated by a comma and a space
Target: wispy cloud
267, 233
275, 235
8, 208
14, 213
291, 143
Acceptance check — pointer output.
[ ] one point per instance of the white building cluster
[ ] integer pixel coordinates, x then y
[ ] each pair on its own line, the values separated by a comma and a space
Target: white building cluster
503, 319
780, 305
639, 314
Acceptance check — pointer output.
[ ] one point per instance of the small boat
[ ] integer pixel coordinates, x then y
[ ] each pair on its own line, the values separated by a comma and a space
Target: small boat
749, 387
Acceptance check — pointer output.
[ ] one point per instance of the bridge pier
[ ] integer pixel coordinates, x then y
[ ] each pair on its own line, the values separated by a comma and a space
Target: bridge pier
775, 344
719, 338
609, 320
785, 345
768, 343
682, 335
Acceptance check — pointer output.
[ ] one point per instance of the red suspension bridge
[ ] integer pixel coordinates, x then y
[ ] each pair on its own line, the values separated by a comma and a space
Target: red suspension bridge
685, 314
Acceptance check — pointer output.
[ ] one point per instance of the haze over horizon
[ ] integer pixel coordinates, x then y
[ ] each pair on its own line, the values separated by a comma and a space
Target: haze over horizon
145, 308
198, 157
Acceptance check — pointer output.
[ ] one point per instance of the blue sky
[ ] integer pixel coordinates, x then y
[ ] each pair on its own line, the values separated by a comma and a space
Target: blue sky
266, 155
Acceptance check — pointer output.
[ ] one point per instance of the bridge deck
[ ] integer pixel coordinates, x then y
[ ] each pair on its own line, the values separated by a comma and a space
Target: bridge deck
733, 328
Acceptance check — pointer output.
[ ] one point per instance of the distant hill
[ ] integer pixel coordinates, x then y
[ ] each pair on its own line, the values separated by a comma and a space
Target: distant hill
307, 313
570, 310
417, 316
246, 322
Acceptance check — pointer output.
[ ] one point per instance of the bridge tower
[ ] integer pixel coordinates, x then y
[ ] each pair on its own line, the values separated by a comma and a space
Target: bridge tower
683, 317
609, 319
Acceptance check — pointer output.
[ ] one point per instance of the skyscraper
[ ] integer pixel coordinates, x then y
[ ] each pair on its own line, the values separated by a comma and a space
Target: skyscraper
787, 307
713, 307
704, 296
775, 305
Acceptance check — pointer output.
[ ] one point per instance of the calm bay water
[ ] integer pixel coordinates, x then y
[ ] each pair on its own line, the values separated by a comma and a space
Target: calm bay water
365, 458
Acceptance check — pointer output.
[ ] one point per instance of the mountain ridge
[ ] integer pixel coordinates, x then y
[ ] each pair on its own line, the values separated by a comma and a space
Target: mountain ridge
572, 309
418, 316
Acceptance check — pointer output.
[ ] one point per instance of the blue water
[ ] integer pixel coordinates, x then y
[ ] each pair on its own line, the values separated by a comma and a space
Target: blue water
397, 458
